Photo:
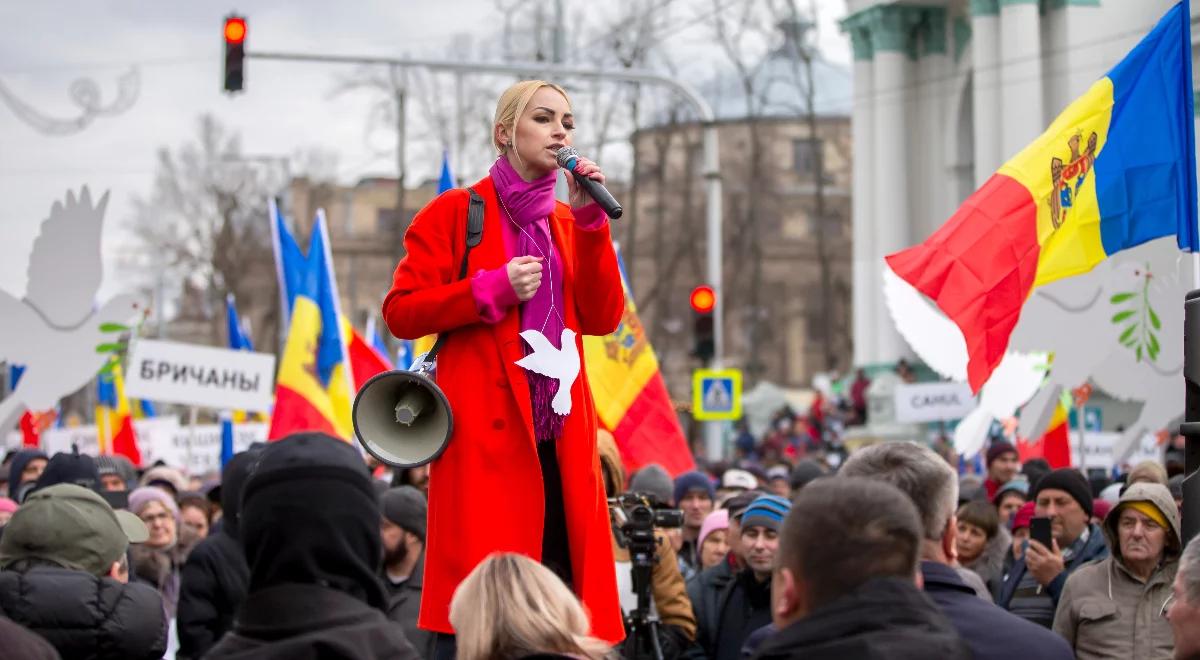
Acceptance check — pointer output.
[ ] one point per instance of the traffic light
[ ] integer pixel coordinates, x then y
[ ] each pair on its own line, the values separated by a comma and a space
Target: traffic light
235, 51
703, 300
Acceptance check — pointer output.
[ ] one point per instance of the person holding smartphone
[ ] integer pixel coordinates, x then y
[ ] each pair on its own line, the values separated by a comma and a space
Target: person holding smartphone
1063, 503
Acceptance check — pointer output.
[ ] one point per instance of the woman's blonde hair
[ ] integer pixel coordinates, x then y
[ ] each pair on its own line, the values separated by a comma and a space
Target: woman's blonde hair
511, 606
511, 106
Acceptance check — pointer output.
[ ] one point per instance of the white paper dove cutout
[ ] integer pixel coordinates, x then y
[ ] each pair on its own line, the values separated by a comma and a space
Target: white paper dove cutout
55, 328
559, 364
940, 344
1070, 319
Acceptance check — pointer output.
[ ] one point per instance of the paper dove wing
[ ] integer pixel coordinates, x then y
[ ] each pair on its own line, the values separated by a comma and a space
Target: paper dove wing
19, 322
560, 364
65, 268
932, 336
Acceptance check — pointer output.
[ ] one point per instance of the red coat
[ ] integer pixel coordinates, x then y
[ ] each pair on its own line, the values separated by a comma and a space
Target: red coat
485, 491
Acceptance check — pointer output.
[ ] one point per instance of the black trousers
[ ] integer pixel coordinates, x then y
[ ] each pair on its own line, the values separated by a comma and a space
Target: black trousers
556, 554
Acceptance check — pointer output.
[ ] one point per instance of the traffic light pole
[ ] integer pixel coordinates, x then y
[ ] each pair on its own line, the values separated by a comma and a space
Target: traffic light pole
711, 146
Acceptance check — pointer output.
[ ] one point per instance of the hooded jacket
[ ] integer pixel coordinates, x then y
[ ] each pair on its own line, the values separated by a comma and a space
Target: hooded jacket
309, 526
884, 618
86, 617
1107, 612
17, 467
215, 576
667, 585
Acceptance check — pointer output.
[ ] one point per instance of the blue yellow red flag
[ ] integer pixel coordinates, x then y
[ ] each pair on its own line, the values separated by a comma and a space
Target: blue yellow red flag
631, 397
1116, 169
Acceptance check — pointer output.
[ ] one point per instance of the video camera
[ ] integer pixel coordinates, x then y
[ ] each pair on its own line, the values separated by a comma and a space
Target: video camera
635, 515
634, 518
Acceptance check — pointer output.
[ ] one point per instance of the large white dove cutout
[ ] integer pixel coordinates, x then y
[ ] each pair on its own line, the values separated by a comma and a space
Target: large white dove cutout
940, 344
55, 329
559, 364
1073, 320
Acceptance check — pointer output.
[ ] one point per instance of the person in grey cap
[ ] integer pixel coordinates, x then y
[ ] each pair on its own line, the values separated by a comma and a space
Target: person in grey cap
65, 577
116, 473
653, 480
402, 529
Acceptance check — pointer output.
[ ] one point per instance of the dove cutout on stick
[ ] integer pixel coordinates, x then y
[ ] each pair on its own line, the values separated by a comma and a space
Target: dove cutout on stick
559, 364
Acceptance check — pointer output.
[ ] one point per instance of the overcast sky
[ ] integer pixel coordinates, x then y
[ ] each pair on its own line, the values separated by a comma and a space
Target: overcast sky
176, 47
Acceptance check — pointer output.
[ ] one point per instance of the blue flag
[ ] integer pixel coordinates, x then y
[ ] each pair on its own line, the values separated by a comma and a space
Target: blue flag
446, 182
238, 339
226, 439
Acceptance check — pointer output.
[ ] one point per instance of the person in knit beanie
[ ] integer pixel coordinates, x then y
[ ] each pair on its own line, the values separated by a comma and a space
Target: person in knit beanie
1003, 463
116, 473
402, 530
693, 495
309, 527
714, 546
1032, 587
746, 606
654, 481
160, 559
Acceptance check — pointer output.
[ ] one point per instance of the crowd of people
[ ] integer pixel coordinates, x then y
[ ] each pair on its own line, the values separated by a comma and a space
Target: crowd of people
304, 550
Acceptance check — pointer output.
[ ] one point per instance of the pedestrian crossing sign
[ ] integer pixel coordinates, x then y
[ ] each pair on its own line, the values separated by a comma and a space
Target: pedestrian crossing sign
716, 394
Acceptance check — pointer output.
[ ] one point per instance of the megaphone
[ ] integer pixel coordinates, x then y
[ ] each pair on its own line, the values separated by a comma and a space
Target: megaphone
403, 418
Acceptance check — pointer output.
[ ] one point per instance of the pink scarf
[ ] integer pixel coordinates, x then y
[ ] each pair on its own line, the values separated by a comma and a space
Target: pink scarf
528, 205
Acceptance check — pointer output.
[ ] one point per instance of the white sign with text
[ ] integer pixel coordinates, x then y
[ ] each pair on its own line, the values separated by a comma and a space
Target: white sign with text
195, 449
196, 375
932, 402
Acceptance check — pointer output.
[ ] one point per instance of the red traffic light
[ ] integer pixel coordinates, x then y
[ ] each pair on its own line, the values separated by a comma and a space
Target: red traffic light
703, 299
235, 30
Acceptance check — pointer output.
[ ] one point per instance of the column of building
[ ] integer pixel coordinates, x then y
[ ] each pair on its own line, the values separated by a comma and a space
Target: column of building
887, 123
985, 87
1020, 74
866, 299
931, 97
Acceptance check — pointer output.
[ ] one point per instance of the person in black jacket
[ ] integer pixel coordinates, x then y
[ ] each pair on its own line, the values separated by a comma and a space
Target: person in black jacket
705, 589
65, 577
309, 526
932, 486
402, 531
215, 576
845, 584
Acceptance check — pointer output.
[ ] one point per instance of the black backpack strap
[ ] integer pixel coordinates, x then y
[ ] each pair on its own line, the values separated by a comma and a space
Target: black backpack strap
474, 236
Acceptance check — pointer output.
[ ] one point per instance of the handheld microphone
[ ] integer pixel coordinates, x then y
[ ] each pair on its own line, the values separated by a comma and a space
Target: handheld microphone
567, 158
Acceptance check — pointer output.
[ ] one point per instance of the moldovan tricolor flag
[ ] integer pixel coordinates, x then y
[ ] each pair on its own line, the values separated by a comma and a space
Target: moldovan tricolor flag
631, 398
114, 423
313, 388
1055, 443
1116, 169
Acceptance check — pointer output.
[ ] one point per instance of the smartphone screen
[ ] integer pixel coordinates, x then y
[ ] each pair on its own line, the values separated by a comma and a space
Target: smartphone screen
1039, 530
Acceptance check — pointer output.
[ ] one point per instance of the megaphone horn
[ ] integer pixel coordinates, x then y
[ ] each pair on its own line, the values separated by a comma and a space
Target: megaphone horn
402, 418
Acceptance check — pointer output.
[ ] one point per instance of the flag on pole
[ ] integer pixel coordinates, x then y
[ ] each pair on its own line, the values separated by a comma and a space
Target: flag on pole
1055, 443
404, 354
239, 340
631, 397
1116, 169
365, 359
446, 181
114, 423
376, 340
226, 437
313, 388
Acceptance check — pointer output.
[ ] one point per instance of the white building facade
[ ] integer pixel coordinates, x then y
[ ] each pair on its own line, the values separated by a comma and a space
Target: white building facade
945, 91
